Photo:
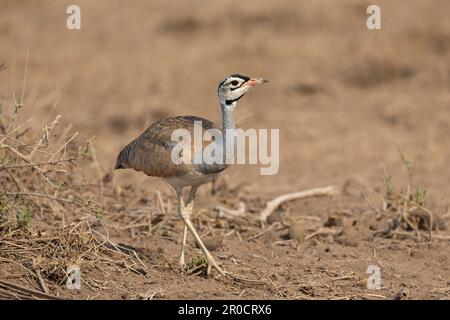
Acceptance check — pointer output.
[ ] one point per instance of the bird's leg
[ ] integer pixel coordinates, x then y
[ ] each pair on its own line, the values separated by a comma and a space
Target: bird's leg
184, 211
183, 243
184, 237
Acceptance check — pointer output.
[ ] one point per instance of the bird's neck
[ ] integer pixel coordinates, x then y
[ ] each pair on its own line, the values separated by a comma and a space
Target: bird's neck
228, 129
227, 115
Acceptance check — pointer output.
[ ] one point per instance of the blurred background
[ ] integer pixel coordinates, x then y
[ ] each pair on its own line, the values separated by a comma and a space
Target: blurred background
344, 97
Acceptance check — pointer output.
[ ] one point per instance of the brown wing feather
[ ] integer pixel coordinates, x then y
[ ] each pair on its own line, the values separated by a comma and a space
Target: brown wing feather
151, 151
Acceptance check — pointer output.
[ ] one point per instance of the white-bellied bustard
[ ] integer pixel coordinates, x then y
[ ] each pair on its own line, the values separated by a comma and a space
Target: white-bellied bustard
151, 153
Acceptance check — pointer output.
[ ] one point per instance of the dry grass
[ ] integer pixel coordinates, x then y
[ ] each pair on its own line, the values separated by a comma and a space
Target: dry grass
50, 215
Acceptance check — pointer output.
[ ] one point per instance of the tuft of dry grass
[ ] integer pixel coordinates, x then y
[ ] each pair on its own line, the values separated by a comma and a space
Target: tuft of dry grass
50, 212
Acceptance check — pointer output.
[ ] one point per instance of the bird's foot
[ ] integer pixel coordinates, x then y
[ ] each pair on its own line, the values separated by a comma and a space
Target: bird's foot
213, 264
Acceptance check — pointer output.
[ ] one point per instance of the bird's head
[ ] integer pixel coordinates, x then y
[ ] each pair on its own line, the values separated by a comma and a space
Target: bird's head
234, 87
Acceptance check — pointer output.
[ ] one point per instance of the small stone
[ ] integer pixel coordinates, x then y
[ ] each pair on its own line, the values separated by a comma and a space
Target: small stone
212, 243
239, 223
297, 231
333, 221
440, 224
345, 241
274, 217
403, 294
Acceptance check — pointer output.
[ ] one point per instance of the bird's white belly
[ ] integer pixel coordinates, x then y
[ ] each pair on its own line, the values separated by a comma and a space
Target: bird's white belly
190, 180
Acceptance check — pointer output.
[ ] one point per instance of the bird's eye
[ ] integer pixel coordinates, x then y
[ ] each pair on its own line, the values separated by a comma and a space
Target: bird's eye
234, 83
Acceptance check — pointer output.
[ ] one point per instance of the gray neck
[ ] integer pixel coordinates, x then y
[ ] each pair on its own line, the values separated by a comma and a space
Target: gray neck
228, 126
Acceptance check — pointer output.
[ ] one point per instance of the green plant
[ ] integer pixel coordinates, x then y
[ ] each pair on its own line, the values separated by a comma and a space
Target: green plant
389, 188
420, 196
24, 217
197, 262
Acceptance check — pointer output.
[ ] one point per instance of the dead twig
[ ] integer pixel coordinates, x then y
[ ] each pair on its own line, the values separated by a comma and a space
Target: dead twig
323, 232
273, 204
41, 280
414, 235
224, 212
22, 290
54, 162
270, 228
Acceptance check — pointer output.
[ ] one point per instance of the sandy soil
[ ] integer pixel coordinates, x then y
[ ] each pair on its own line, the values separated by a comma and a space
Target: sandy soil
345, 100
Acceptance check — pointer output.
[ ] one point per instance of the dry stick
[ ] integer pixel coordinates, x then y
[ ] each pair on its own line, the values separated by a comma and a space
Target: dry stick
363, 193
343, 278
62, 147
14, 295
54, 104
64, 134
22, 144
18, 264
41, 281
149, 220
272, 226
21, 188
136, 225
26, 159
240, 212
18, 128
45, 137
309, 218
54, 162
17, 182
273, 284
117, 246
23, 290
42, 195
410, 234
372, 295
323, 231
160, 202
276, 202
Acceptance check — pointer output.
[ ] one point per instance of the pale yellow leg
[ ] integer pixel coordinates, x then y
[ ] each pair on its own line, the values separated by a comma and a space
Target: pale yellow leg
190, 198
183, 244
184, 211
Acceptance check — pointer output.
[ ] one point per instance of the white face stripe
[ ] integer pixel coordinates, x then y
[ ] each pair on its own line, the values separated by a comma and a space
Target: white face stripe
232, 87
235, 83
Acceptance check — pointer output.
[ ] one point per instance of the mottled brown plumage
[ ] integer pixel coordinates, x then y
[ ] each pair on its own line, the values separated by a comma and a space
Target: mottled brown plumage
151, 153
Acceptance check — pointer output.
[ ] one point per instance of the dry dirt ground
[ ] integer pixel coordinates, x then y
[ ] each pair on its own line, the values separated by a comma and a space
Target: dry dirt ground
346, 100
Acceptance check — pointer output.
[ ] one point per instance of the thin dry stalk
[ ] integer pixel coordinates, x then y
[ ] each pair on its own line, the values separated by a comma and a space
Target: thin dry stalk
273, 204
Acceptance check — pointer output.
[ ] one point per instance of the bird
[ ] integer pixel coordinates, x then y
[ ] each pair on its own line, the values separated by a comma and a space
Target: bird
152, 154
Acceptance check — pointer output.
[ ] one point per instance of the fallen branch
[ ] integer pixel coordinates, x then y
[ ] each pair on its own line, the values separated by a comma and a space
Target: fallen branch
42, 195
22, 290
323, 232
224, 211
41, 280
414, 235
260, 234
54, 162
273, 204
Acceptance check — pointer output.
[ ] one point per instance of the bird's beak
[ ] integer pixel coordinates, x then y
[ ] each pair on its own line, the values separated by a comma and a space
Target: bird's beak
254, 81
